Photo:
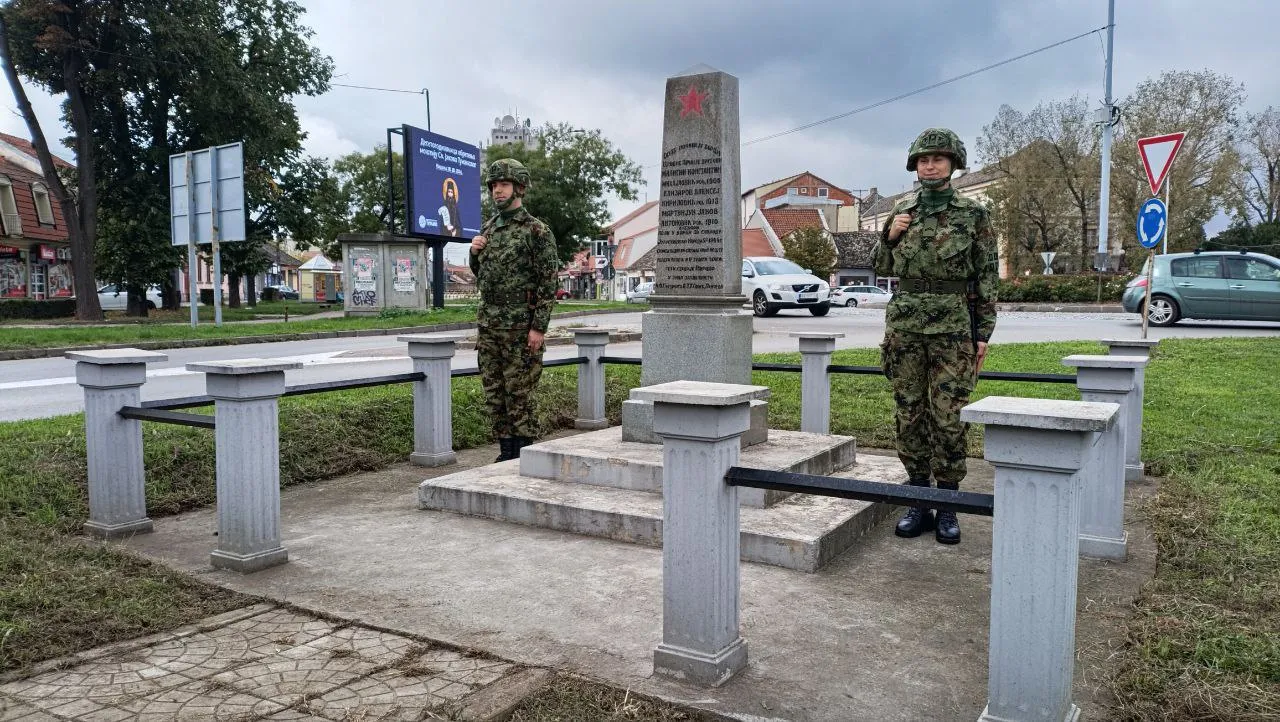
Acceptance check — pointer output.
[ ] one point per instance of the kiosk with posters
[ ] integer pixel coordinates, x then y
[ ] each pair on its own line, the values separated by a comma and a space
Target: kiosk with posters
383, 271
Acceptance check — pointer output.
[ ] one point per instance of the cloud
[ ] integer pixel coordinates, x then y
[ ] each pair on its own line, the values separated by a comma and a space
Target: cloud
602, 65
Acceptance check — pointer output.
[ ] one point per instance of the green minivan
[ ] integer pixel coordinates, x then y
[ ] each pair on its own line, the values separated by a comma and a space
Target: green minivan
1222, 285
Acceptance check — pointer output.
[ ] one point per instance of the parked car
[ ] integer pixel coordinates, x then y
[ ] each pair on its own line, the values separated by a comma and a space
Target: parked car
641, 293
114, 298
853, 296
772, 284
283, 292
1229, 285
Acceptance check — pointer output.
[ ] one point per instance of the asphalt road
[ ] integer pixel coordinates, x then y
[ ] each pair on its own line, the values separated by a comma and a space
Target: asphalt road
46, 387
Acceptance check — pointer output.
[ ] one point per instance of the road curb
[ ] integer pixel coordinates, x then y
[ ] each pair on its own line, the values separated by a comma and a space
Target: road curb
35, 353
1062, 307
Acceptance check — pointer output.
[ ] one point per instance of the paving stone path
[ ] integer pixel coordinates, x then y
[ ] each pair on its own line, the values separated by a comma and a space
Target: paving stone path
269, 663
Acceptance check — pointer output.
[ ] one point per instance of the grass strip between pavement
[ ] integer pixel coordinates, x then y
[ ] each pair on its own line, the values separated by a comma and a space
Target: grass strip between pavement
1203, 641
69, 335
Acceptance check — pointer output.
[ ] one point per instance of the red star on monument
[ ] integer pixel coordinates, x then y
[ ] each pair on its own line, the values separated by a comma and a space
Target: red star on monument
692, 102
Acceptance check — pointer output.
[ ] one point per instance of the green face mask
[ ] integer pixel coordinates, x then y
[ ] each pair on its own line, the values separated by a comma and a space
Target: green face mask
934, 184
504, 205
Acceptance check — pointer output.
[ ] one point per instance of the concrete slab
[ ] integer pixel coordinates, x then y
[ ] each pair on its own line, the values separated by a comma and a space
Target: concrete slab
602, 458
802, 532
895, 629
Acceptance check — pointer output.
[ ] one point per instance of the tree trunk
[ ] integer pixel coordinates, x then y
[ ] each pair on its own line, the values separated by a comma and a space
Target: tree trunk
251, 289
171, 292
136, 307
81, 237
233, 290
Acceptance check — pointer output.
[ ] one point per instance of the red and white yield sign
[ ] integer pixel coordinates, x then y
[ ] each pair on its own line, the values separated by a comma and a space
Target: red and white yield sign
1157, 154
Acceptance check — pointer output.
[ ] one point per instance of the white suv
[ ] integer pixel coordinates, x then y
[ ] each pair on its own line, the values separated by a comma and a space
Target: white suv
772, 283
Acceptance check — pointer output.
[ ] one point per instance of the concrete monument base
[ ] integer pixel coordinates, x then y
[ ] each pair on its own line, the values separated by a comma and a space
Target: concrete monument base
1073, 715
1105, 548
98, 530
443, 458
689, 666
248, 563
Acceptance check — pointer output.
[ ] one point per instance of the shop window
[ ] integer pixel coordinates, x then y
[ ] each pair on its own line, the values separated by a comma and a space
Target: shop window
9, 208
44, 209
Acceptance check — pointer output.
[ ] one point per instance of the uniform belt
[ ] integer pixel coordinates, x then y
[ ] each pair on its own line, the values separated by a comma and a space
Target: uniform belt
928, 285
512, 298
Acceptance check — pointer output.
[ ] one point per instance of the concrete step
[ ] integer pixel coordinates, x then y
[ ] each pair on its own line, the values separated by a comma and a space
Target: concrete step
803, 532
602, 458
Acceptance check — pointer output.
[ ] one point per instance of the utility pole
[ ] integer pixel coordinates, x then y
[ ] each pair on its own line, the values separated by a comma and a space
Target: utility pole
1108, 116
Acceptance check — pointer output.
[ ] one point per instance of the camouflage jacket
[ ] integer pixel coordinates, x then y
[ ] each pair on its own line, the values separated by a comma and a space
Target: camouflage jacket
953, 243
516, 272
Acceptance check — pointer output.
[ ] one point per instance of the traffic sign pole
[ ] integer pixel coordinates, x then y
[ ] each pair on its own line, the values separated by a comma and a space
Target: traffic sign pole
1168, 185
1146, 302
192, 259
213, 235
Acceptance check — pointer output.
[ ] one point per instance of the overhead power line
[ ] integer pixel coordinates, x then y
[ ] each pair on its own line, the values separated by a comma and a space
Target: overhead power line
926, 88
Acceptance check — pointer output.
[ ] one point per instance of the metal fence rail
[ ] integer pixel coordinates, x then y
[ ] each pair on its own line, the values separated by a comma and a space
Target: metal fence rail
877, 371
167, 417
966, 502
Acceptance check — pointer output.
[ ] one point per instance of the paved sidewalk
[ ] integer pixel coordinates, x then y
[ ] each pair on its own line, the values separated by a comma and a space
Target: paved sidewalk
893, 629
273, 663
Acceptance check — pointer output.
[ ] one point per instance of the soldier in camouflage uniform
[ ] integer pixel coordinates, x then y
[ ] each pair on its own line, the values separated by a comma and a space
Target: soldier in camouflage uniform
514, 260
941, 248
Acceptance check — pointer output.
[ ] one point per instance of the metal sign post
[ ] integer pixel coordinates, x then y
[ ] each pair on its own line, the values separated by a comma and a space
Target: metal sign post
192, 256
1152, 227
221, 168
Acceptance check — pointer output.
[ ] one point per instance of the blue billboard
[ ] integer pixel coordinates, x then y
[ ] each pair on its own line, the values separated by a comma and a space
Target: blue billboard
442, 176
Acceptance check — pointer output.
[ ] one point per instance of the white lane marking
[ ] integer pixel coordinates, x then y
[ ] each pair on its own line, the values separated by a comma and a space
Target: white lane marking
318, 359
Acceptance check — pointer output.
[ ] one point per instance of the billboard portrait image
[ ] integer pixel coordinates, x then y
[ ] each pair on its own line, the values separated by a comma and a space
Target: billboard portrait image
442, 176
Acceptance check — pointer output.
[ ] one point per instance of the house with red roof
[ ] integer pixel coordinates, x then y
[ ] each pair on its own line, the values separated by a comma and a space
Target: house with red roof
35, 254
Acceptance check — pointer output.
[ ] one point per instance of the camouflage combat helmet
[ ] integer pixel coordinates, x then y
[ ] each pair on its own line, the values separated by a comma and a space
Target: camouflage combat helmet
508, 169
941, 141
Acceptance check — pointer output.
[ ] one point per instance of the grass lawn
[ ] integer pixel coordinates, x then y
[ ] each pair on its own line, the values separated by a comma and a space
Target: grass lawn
1203, 641
169, 326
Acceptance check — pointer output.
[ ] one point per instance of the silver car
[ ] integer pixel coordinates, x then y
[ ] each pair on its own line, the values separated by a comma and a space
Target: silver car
641, 293
113, 298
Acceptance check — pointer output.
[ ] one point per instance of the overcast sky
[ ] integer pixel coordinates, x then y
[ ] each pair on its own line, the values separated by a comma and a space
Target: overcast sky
603, 63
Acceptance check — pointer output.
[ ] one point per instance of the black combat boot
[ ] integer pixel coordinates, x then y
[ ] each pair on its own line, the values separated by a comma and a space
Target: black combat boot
918, 519
506, 448
948, 528
519, 443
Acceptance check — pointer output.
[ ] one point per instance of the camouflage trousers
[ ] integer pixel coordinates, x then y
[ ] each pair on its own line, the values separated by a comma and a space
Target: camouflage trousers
932, 376
510, 374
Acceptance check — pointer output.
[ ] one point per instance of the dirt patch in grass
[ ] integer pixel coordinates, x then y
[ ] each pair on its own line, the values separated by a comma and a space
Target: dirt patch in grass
571, 699
60, 594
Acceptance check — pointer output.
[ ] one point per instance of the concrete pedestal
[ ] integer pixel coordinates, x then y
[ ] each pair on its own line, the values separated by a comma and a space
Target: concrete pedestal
815, 383
1106, 379
111, 379
432, 355
1038, 448
699, 424
246, 397
591, 343
1138, 348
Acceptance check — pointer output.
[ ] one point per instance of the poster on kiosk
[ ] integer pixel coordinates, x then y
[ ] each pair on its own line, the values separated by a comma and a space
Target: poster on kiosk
443, 179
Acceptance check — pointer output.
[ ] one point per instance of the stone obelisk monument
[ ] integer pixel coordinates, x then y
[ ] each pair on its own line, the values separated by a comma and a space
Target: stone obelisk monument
697, 330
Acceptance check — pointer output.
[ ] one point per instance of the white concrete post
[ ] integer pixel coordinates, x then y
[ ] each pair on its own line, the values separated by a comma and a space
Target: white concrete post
700, 425
1037, 447
591, 344
246, 396
432, 355
112, 378
1141, 348
1108, 379
815, 384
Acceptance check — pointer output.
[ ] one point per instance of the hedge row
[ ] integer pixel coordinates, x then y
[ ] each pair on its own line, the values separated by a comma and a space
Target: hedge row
1092, 288
26, 308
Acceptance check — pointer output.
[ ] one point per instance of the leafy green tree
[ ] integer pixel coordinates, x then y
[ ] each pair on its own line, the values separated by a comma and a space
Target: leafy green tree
1206, 105
1259, 238
362, 178
811, 249
572, 172
159, 78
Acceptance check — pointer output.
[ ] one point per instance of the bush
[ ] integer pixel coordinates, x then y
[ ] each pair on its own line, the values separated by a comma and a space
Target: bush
30, 309
1063, 289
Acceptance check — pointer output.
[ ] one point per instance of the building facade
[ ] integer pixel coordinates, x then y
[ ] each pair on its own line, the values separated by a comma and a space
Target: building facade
35, 256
